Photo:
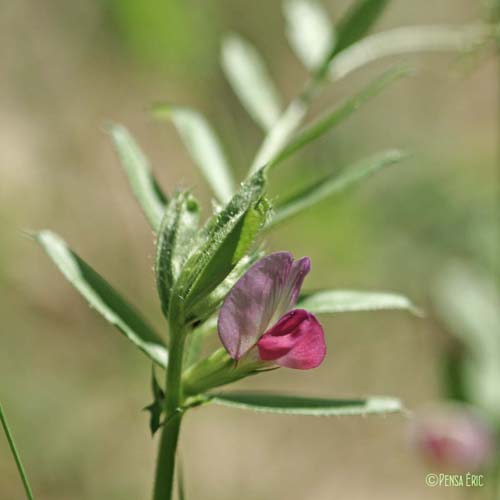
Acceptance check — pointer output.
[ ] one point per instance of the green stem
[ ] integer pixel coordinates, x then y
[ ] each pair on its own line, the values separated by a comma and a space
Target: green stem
17, 458
165, 466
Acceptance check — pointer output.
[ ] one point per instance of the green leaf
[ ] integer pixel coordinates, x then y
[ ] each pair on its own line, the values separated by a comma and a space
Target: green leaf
144, 186
406, 40
103, 298
338, 301
156, 408
181, 486
175, 241
17, 459
334, 184
468, 302
225, 239
250, 80
309, 30
282, 131
204, 147
341, 113
212, 302
280, 134
295, 405
357, 22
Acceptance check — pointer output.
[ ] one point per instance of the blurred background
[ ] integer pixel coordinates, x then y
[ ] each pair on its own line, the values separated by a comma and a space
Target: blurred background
73, 388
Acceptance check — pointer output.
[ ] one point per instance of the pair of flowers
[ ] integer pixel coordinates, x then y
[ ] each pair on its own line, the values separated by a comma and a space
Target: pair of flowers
258, 320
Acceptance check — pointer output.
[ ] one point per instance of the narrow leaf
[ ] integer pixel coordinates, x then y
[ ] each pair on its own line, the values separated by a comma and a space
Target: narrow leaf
309, 31
338, 301
406, 40
175, 241
250, 80
204, 147
280, 134
357, 22
15, 454
207, 306
181, 485
334, 184
144, 186
467, 300
338, 115
295, 405
225, 239
103, 298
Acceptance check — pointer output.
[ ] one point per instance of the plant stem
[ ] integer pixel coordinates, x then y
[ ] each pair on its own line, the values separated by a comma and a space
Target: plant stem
17, 458
165, 466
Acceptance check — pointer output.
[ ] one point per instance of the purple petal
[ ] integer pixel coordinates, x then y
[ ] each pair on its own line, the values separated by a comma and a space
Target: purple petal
295, 341
251, 303
300, 269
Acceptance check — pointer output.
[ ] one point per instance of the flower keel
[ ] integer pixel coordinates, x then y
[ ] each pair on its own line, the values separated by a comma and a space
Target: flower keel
295, 341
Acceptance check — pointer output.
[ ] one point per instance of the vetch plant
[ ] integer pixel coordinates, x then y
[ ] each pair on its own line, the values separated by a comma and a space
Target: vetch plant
214, 276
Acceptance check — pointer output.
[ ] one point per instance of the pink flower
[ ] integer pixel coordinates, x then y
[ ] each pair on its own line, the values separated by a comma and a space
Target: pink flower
454, 437
257, 314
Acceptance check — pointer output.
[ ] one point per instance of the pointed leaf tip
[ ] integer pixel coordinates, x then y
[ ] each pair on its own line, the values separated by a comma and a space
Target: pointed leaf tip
103, 298
250, 80
138, 170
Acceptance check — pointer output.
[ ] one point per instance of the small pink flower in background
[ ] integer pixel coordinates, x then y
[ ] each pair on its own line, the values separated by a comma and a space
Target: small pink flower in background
454, 437
258, 314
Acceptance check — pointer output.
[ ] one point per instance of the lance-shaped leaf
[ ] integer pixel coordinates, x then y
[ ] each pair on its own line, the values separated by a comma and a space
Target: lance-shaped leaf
250, 80
406, 40
338, 115
280, 134
295, 405
338, 301
334, 184
144, 186
203, 146
223, 241
282, 131
468, 301
103, 298
309, 30
212, 301
176, 237
357, 22
181, 486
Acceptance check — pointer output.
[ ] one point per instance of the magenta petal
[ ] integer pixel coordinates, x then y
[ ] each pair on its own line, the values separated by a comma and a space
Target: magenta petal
295, 341
251, 303
300, 269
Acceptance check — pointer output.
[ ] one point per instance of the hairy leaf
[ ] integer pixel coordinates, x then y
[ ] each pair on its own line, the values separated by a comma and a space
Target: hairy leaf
204, 147
225, 239
250, 80
334, 184
341, 113
103, 298
406, 40
212, 302
337, 301
175, 241
144, 186
295, 405
280, 134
